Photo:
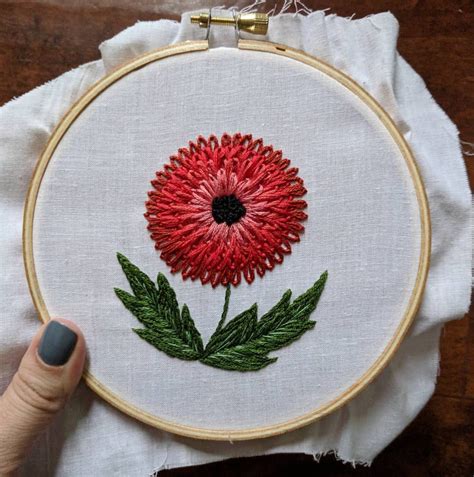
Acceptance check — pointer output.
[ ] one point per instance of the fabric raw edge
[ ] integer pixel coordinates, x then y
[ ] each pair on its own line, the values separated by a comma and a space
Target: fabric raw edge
316, 457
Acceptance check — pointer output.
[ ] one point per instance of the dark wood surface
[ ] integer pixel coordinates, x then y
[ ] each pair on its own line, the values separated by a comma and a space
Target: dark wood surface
41, 39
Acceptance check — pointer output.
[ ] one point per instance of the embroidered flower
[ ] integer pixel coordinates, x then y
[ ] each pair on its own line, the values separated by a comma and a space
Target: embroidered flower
225, 209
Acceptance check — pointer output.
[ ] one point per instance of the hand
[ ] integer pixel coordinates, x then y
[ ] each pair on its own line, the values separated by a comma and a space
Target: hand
48, 374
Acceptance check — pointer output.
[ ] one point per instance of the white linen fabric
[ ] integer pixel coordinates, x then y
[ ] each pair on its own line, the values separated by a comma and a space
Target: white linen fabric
365, 49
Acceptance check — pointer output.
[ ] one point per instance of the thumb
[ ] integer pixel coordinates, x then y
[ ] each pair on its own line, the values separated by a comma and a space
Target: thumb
49, 372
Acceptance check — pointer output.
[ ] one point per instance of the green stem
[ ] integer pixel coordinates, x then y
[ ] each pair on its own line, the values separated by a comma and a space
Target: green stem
225, 310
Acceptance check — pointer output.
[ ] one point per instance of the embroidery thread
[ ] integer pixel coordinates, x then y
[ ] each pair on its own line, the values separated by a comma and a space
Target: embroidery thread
223, 209
242, 344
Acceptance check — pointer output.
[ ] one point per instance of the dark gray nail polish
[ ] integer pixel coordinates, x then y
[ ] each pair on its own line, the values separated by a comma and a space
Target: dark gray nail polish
57, 344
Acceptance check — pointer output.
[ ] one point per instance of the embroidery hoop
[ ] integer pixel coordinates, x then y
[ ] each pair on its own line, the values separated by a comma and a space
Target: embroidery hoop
416, 294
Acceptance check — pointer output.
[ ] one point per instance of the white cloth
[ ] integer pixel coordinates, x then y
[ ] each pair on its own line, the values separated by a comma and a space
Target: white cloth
365, 49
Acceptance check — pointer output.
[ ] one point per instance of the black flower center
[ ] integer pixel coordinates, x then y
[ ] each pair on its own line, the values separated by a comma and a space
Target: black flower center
228, 209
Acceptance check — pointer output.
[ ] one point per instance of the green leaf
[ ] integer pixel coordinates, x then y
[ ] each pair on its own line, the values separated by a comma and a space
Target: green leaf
238, 359
273, 318
282, 336
192, 335
244, 347
237, 331
142, 310
306, 303
168, 342
140, 283
157, 309
240, 345
166, 299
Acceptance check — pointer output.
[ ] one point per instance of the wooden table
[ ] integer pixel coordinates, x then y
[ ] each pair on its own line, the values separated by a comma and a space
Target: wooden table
42, 39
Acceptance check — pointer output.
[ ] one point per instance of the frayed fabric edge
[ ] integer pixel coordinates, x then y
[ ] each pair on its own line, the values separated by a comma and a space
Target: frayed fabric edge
51, 82
300, 10
467, 148
317, 456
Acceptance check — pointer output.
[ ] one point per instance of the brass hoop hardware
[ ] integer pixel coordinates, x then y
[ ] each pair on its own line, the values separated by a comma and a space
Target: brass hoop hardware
255, 23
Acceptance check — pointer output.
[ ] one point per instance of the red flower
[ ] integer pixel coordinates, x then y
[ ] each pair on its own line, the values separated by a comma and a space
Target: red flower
220, 210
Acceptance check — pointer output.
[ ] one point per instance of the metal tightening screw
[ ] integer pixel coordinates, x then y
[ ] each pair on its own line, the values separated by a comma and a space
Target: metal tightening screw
256, 23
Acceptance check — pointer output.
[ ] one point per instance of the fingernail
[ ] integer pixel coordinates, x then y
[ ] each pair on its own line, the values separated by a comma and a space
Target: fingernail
57, 344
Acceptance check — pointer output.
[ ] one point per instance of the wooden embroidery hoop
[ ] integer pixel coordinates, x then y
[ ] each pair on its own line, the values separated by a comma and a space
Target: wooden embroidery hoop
416, 294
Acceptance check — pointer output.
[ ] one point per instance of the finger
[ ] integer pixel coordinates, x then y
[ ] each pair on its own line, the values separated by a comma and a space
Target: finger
49, 372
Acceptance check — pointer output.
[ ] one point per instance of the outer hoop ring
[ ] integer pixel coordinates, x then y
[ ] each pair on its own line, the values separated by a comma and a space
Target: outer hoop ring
415, 298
